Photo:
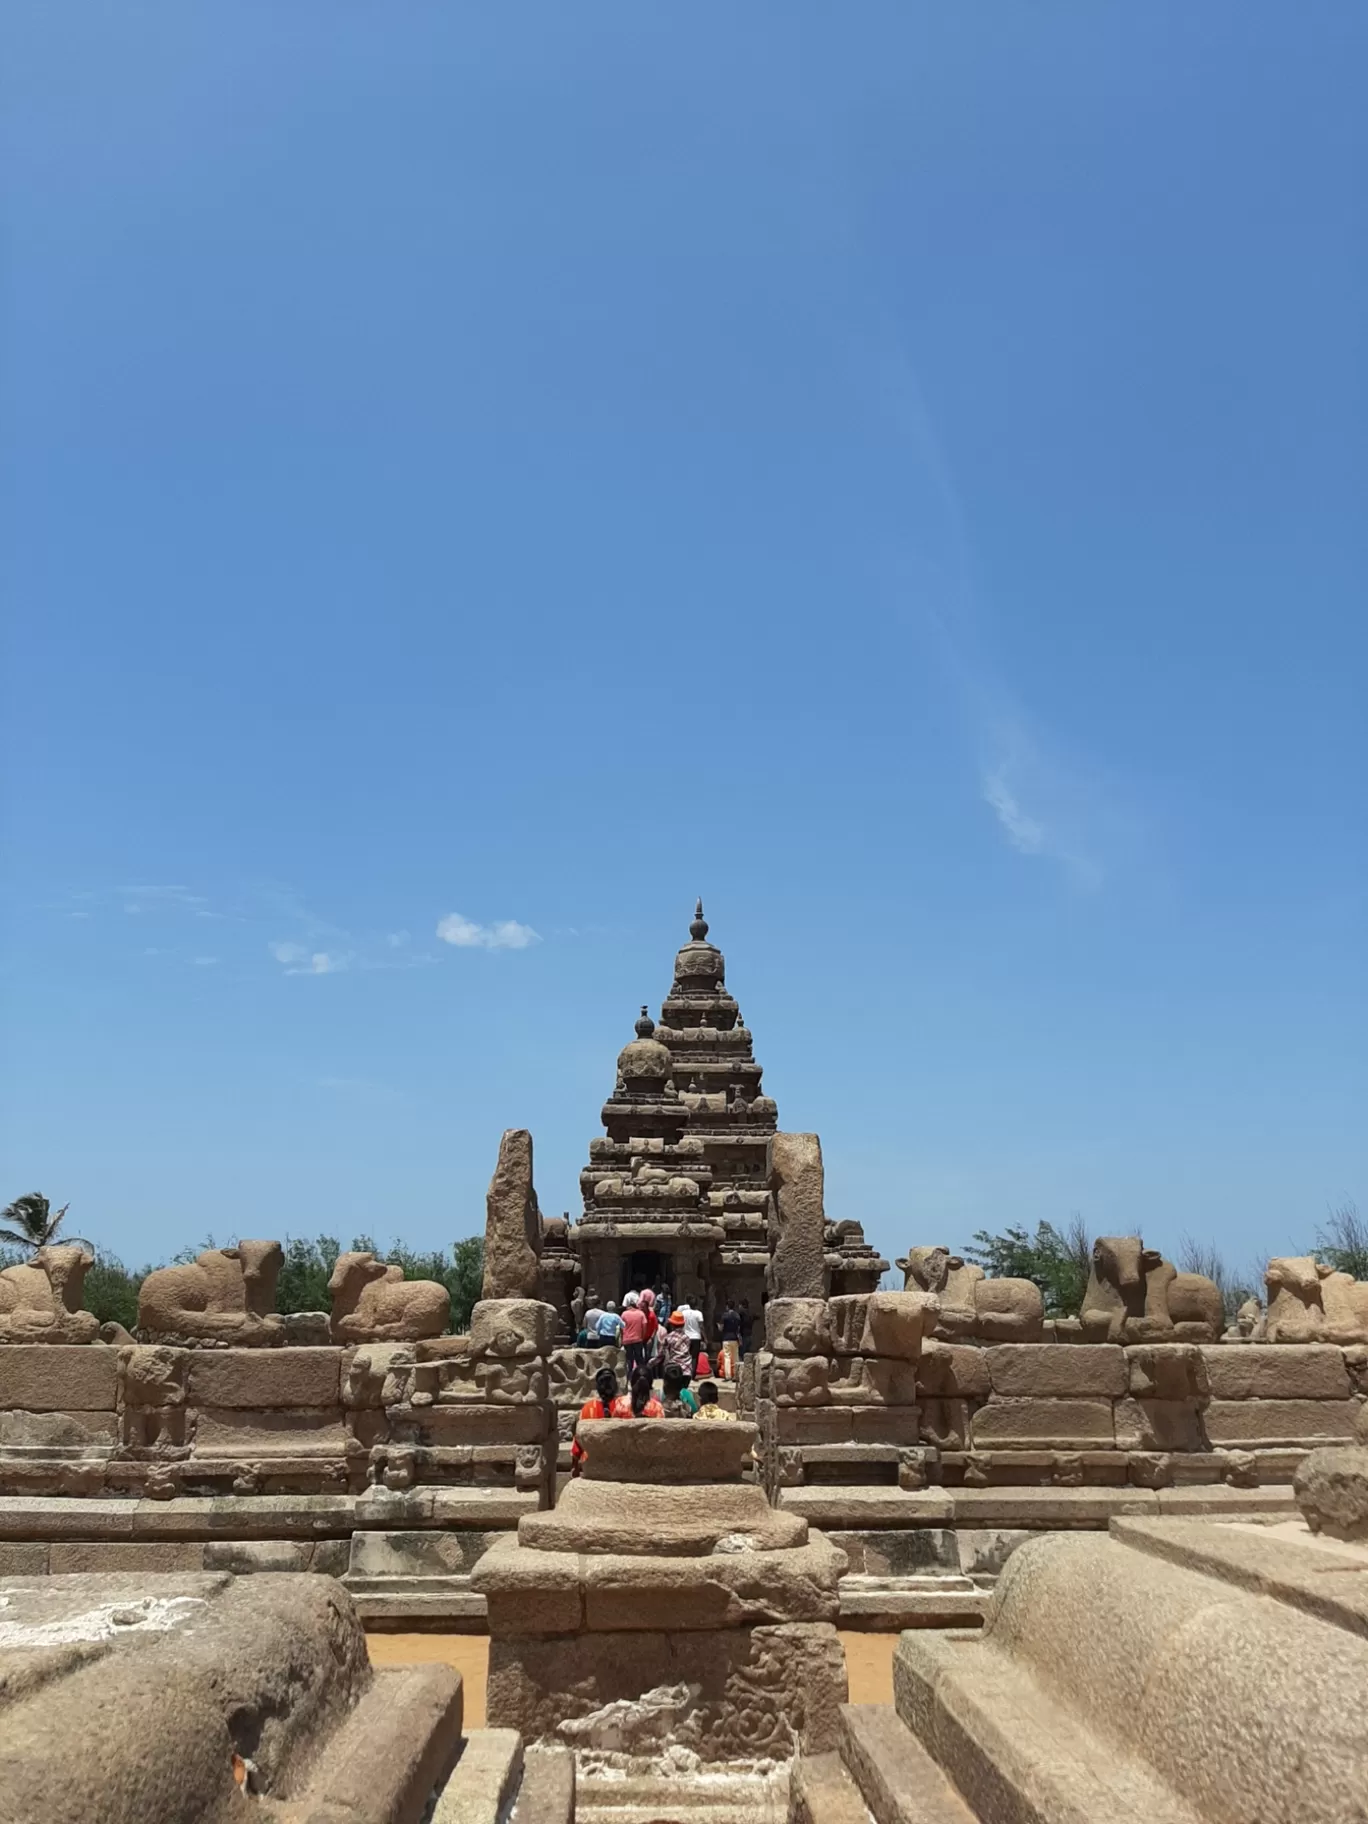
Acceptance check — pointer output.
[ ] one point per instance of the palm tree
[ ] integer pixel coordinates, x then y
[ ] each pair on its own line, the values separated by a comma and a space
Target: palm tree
35, 1222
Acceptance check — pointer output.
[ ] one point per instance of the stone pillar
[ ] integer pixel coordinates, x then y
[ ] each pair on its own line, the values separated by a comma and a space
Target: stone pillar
797, 1218
512, 1254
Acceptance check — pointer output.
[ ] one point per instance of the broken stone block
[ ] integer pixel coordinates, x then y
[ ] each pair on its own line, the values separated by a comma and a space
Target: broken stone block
512, 1327
1167, 1371
896, 1324
1331, 1488
801, 1380
797, 1326
846, 1317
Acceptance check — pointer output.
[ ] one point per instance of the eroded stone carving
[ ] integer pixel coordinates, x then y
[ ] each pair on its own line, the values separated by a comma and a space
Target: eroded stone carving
40, 1299
513, 1224
1309, 1302
374, 1303
972, 1307
224, 1296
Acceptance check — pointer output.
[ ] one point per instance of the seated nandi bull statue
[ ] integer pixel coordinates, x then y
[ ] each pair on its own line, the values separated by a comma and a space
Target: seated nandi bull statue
974, 1308
224, 1296
40, 1299
373, 1303
1134, 1295
1309, 1302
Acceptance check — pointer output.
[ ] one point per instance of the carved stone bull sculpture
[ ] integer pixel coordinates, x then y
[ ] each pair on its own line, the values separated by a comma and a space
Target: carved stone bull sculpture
374, 1303
974, 1308
1309, 1302
224, 1295
40, 1299
1127, 1296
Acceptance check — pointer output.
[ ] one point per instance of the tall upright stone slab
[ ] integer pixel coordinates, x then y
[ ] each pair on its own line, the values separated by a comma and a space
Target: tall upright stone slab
512, 1253
797, 1217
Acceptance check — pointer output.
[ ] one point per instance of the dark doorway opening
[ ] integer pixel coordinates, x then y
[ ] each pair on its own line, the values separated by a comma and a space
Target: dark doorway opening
646, 1267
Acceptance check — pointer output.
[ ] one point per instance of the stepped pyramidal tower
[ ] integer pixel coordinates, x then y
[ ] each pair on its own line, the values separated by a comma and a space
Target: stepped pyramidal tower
676, 1193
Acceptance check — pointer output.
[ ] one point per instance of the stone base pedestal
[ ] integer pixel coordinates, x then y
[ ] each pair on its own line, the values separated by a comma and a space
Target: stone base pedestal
743, 1694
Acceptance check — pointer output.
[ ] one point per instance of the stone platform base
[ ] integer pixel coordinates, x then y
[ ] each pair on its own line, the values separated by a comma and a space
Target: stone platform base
738, 1694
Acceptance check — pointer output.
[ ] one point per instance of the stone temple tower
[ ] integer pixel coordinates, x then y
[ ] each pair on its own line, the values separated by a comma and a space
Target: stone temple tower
676, 1192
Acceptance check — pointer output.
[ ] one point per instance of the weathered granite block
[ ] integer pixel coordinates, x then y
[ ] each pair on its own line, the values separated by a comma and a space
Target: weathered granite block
1277, 1371
1046, 1371
152, 1375
1042, 1424
1271, 1422
512, 1327
34, 1431
59, 1377
232, 1432
265, 1379
955, 1371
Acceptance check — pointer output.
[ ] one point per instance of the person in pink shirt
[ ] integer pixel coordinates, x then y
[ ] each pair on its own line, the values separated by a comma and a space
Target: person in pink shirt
638, 1327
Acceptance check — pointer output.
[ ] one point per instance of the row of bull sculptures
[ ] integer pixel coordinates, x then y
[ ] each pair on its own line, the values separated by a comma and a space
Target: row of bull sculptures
225, 1297
1134, 1295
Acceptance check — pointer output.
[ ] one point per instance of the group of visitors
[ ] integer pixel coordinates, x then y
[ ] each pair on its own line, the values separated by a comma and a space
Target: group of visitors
677, 1401
655, 1332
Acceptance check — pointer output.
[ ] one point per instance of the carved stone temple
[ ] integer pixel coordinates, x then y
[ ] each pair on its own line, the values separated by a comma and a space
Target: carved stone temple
676, 1192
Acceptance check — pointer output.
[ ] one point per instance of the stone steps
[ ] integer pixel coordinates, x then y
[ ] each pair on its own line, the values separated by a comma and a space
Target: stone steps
887, 1605
382, 1764
710, 1797
1014, 1754
894, 1775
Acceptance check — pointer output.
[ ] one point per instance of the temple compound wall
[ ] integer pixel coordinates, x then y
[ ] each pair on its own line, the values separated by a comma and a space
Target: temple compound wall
931, 1431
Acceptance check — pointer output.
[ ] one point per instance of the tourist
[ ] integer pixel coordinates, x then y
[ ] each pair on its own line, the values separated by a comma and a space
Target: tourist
672, 1403
675, 1351
747, 1326
641, 1402
689, 1398
609, 1327
589, 1335
663, 1305
731, 1340
708, 1406
600, 1407
638, 1327
693, 1330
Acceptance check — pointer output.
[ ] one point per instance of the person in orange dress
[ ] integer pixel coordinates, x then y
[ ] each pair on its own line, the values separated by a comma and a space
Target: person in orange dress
641, 1402
600, 1407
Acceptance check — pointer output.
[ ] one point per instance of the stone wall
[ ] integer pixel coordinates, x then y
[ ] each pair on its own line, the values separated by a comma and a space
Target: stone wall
1020, 1414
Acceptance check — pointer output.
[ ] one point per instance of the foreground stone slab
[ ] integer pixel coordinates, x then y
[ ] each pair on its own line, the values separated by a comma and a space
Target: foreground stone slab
157, 1697
1171, 1673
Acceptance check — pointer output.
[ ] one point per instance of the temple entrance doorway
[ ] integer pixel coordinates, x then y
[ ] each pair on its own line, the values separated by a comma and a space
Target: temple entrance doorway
647, 1267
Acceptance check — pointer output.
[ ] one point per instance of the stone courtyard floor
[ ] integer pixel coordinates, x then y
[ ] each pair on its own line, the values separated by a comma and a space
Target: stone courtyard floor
869, 1663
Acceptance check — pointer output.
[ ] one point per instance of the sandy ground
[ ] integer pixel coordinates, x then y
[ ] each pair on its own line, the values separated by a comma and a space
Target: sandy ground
869, 1661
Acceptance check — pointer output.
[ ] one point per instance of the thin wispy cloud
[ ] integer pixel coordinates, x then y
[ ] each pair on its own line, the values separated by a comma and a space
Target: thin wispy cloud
1048, 803
397, 939
297, 959
504, 934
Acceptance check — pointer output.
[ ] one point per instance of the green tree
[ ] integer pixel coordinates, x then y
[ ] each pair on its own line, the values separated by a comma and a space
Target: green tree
1059, 1261
305, 1272
111, 1291
1342, 1240
30, 1222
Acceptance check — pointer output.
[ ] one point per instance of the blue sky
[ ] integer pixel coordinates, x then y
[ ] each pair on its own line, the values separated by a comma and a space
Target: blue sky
895, 471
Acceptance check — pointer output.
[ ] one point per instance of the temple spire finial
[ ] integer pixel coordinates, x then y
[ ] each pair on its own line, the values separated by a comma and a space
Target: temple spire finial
645, 1025
698, 930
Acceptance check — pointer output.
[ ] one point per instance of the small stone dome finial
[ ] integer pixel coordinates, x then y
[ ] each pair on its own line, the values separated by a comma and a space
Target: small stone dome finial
645, 1025
698, 930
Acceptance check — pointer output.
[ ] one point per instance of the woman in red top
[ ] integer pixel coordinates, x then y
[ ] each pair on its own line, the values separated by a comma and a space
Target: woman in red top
606, 1386
641, 1402
639, 1326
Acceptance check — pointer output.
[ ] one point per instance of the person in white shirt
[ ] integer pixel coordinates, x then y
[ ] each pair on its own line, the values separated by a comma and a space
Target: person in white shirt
693, 1331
